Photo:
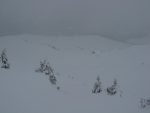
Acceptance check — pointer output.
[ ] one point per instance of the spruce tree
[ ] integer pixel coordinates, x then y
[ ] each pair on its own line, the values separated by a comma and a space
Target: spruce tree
4, 60
97, 86
112, 90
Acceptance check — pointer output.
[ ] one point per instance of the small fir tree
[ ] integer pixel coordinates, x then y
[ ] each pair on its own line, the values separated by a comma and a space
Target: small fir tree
112, 90
42, 66
97, 86
4, 60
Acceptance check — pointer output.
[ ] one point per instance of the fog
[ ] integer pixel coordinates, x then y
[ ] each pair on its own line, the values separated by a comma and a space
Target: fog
118, 19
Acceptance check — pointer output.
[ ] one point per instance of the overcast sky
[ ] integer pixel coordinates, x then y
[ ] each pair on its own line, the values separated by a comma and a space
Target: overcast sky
112, 18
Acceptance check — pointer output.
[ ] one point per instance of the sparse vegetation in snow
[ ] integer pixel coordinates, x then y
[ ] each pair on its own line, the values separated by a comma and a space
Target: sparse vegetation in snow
4, 60
144, 103
97, 86
47, 70
112, 90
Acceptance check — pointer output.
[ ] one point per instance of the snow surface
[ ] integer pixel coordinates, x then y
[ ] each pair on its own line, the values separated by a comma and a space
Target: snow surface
77, 62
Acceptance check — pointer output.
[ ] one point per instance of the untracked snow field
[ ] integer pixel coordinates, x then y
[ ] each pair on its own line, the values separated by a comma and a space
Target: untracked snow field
77, 61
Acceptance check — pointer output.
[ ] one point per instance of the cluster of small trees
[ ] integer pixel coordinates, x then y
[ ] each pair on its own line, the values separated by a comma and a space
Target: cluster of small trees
112, 90
44, 67
4, 60
47, 70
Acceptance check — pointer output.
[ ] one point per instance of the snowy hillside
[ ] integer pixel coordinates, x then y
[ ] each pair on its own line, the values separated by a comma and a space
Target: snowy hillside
77, 61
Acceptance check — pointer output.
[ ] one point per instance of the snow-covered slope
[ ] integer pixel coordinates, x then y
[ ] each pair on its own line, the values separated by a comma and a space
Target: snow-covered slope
77, 62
